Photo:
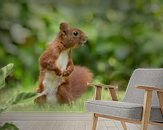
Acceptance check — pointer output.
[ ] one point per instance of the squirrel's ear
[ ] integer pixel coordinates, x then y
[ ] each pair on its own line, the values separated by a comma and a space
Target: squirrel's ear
64, 27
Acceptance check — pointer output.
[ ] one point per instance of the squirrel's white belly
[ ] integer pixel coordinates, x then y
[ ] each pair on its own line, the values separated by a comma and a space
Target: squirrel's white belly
62, 60
52, 81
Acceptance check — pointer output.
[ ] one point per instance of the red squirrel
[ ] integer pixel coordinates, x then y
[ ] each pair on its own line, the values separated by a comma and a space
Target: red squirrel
59, 80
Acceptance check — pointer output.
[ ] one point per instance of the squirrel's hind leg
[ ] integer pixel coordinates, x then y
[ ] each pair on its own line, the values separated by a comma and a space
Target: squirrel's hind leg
40, 100
40, 89
64, 95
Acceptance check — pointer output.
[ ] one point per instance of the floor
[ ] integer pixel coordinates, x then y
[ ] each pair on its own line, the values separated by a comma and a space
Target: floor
57, 121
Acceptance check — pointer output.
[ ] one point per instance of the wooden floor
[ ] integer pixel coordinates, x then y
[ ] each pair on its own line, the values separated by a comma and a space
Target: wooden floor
57, 121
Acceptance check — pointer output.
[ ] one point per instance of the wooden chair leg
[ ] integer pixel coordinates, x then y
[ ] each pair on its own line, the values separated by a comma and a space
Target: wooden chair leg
124, 125
146, 110
95, 119
160, 98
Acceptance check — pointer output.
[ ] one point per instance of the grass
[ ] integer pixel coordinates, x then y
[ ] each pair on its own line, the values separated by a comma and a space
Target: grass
77, 106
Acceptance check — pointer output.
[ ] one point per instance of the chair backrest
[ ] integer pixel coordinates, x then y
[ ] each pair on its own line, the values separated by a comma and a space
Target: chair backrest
147, 77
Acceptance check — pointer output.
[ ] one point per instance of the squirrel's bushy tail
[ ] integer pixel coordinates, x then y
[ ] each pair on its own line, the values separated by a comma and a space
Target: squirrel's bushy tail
76, 86
78, 81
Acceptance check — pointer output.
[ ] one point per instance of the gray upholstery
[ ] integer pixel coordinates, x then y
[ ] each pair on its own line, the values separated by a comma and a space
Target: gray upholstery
116, 109
148, 77
125, 110
131, 106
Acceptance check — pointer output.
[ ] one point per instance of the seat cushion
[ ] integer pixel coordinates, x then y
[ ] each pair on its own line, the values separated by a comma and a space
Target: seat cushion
131, 111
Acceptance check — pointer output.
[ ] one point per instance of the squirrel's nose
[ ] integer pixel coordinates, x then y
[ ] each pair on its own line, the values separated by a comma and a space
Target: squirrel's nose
85, 39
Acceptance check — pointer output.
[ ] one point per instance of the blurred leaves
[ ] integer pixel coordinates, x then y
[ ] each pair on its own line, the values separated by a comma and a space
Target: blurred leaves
8, 126
22, 97
4, 72
3, 109
19, 98
123, 35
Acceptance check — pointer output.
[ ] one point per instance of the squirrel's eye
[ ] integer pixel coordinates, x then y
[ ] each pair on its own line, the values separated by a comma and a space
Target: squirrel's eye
75, 33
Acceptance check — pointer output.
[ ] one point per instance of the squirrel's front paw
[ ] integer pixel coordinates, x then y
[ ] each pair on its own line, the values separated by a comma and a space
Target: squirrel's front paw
66, 73
58, 72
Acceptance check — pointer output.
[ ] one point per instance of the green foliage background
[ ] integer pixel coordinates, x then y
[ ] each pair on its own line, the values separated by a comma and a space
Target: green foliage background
123, 35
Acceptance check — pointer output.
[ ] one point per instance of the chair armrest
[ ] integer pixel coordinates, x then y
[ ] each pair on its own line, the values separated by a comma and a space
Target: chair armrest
159, 93
150, 88
102, 85
111, 88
